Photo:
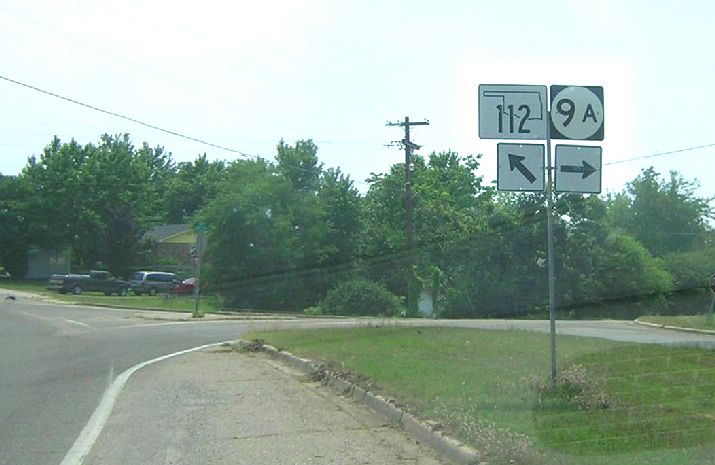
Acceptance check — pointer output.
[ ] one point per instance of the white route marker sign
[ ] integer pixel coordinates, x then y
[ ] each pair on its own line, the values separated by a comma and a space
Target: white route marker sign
520, 167
577, 112
512, 111
578, 169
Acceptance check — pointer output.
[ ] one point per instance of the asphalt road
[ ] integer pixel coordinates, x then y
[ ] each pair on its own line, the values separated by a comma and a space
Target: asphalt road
57, 360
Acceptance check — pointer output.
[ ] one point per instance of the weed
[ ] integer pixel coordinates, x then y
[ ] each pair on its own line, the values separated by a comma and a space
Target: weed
572, 385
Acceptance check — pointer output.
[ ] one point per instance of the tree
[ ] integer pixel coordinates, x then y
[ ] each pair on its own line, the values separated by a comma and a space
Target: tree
626, 270
282, 241
253, 245
192, 186
501, 270
664, 215
299, 164
95, 200
15, 229
450, 206
58, 201
343, 209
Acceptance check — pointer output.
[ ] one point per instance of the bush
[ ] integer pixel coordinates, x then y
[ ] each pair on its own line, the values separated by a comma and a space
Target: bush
572, 386
691, 270
313, 311
361, 297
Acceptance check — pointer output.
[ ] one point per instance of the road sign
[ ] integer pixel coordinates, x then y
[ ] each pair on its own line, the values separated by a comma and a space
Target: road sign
520, 167
578, 169
201, 227
577, 112
512, 112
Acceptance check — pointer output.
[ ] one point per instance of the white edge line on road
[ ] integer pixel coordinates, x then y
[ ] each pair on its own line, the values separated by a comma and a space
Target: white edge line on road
83, 445
78, 323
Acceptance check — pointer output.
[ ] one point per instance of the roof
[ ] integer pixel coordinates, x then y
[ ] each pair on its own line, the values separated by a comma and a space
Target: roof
164, 232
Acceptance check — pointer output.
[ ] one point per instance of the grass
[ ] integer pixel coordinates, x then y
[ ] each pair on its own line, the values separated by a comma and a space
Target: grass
683, 321
161, 302
615, 404
37, 287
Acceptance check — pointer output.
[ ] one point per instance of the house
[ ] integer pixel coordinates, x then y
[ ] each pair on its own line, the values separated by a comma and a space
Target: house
171, 243
41, 264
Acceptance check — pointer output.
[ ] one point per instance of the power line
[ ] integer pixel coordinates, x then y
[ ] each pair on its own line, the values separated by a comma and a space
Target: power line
688, 149
128, 118
142, 123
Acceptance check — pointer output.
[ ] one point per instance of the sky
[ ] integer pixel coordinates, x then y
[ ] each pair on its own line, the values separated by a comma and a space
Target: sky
245, 74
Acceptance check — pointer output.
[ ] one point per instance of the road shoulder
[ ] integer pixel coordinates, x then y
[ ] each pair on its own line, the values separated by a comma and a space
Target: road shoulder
219, 406
675, 328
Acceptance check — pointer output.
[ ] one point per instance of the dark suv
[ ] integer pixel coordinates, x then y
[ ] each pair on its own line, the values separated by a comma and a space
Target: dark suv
152, 282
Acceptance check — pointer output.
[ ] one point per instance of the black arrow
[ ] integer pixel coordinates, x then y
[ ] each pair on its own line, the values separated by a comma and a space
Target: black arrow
585, 169
515, 161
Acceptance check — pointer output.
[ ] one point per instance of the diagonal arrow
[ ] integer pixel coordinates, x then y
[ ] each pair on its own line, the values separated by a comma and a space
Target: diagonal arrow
585, 169
515, 162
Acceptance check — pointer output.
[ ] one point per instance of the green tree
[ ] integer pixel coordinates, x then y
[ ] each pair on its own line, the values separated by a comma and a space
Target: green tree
253, 243
450, 206
192, 187
58, 201
664, 215
627, 270
95, 200
15, 224
501, 270
300, 165
342, 206
280, 241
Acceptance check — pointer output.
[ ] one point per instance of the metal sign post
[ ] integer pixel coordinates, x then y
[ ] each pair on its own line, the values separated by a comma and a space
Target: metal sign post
550, 248
709, 318
508, 111
200, 250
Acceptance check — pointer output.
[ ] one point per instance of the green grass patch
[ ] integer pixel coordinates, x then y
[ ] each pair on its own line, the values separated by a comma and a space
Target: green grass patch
161, 302
37, 287
683, 321
618, 403
207, 304
630, 399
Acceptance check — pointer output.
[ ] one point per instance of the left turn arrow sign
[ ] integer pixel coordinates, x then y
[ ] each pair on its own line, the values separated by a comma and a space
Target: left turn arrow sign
520, 167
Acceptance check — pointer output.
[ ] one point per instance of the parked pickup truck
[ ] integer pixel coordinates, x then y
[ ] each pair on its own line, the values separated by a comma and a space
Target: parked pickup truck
97, 281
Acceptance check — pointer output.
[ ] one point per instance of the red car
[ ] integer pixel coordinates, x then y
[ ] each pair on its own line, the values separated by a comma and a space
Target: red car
184, 287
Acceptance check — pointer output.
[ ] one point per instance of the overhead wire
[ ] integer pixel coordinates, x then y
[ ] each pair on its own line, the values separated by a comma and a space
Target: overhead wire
660, 154
128, 118
145, 124
256, 157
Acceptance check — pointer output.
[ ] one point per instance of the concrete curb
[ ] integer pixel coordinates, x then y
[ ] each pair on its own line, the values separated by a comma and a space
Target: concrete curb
150, 314
675, 328
451, 449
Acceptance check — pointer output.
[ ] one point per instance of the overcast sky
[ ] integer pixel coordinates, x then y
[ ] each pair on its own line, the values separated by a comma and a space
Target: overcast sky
246, 74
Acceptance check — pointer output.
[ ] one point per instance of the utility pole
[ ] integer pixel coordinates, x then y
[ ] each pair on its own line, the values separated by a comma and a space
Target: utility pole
409, 221
198, 255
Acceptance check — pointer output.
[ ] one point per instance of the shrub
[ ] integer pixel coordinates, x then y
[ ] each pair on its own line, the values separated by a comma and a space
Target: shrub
361, 297
313, 311
573, 386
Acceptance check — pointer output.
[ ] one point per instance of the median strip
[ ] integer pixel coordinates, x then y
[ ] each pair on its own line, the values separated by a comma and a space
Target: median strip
450, 448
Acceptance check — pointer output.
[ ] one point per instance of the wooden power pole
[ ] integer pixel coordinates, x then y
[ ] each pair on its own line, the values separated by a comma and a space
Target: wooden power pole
409, 220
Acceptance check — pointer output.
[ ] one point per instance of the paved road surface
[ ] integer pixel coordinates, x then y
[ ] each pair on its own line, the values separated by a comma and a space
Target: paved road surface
222, 408
57, 360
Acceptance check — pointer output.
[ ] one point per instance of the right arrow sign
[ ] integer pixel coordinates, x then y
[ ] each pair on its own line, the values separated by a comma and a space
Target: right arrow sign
585, 169
578, 169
